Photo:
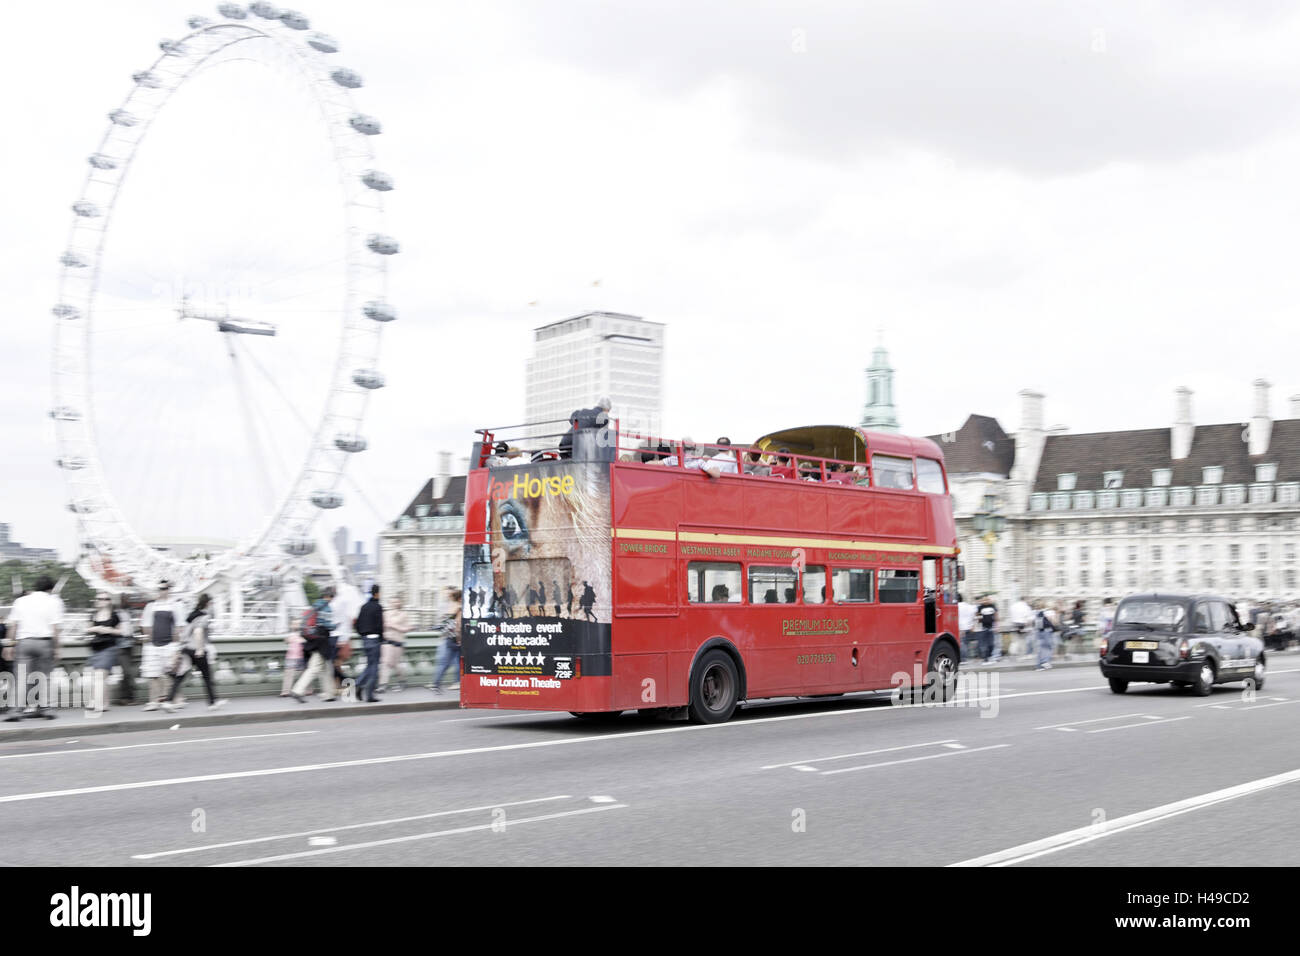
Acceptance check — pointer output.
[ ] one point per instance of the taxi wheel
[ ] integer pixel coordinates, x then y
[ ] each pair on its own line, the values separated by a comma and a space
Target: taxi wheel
1258, 677
714, 688
1204, 680
1118, 686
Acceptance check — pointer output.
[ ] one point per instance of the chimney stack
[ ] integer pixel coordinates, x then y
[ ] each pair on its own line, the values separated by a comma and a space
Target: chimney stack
1181, 441
442, 475
1261, 426
1031, 410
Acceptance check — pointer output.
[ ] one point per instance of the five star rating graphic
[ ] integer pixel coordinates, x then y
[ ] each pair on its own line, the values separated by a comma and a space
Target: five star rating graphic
529, 658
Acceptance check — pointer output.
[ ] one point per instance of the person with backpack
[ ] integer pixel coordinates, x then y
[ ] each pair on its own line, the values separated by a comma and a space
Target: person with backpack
159, 621
990, 640
1046, 624
318, 625
451, 647
103, 633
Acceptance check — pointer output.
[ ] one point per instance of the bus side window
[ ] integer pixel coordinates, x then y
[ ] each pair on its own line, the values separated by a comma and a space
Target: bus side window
814, 585
899, 587
851, 585
950, 580
772, 585
892, 471
714, 582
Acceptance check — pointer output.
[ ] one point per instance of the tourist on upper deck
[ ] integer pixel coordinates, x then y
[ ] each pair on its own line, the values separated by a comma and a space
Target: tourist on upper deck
584, 418
756, 464
722, 462
782, 467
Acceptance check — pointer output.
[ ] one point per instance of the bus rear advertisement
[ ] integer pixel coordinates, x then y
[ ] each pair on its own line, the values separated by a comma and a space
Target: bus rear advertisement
682, 580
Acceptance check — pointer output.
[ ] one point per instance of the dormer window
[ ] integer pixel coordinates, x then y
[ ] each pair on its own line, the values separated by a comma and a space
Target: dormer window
1065, 482
1213, 475
1161, 477
1112, 479
422, 511
1266, 472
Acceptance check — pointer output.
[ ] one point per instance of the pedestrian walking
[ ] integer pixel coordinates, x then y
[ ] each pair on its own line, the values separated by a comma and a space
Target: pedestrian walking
990, 646
32, 645
6, 667
965, 624
397, 625
1047, 625
197, 651
159, 621
450, 647
1107, 617
1022, 619
555, 596
370, 625
103, 634
293, 662
588, 600
319, 650
126, 660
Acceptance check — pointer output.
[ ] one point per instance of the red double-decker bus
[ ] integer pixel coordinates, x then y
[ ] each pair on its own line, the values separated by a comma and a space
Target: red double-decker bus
679, 579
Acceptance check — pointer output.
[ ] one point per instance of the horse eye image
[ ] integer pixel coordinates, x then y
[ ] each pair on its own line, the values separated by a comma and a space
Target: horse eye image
514, 528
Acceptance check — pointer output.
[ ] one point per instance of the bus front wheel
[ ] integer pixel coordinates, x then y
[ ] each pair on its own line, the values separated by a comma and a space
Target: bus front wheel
714, 687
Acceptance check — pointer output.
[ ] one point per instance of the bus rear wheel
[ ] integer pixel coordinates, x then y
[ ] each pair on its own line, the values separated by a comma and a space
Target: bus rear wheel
714, 688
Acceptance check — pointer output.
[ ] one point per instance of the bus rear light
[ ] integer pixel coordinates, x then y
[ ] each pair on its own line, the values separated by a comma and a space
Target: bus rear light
577, 667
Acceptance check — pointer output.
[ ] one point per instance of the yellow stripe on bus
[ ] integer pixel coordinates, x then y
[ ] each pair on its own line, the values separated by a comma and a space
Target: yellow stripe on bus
699, 537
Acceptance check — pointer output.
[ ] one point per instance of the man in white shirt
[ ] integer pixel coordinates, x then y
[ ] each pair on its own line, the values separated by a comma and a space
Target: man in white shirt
966, 624
1022, 619
32, 643
160, 621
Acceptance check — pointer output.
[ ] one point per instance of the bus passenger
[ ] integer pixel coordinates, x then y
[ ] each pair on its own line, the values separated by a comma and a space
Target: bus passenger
720, 595
755, 464
782, 467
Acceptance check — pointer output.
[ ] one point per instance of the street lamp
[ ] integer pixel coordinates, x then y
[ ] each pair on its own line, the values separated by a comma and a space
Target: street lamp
989, 523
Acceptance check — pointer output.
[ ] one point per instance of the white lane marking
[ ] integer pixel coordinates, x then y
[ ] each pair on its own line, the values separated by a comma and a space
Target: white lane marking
322, 841
498, 824
521, 715
161, 743
602, 799
804, 769
860, 753
1077, 723
890, 763
1149, 722
955, 746
1261, 706
340, 829
500, 748
1081, 835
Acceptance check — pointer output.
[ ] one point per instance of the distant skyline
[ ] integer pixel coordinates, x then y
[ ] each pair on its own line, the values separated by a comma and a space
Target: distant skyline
1096, 202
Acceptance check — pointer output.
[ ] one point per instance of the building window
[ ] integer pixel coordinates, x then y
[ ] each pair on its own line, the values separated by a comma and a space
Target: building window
1234, 495
1182, 579
1060, 501
1083, 578
1288, 494
1060, 579
1157, 553
1060, 527
1288, 552
1261, 580
1106, 527
1132, 581
1108, 555
1157, 497
1261, 553
1290, 580
1132, 527
1266, 472
1207, 553
1234, 553
1060, 555
1180, 526
1132, 499
1132, 554
1108, 579
1157, 580
1207, 580
1234, 525
1182, 553
1083, 500
1038, 502
1181, 497
1065, 482
1261, 494
1112, 479
1207, 495
1234, 580
1160, 477
1083, 555
1212, 475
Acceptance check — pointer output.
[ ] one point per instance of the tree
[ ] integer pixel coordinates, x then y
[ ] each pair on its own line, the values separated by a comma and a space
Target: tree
311, 589
76, 593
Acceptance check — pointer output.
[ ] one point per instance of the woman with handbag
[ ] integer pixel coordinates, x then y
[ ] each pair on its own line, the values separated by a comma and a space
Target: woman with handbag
396, 626
451, 646
197, 649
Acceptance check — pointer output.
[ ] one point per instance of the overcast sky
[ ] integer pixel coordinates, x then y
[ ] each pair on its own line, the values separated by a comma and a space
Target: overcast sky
1092, 199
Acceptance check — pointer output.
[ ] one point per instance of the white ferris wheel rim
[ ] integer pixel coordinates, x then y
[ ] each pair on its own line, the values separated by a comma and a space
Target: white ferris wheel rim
103, 528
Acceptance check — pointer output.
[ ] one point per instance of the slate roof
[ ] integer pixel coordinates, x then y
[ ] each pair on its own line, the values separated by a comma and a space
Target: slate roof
1137, 453
980, 446
453, 494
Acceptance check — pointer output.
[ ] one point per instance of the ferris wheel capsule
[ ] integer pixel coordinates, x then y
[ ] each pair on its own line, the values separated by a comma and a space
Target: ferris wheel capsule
65, 413
294, 20
172, 47
100, 161
122, 118
71, 463
65, 311
323, 43
349, 79
83, 507
365, 124
86, 209
368, 378
147, 80
264, 10
350, 443
298, 547
380, 182
327, 500
74, 260
197, 23
232, 11
384, 245
379, 311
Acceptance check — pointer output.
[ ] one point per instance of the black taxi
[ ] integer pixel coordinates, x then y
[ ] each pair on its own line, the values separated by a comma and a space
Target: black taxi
1193, 641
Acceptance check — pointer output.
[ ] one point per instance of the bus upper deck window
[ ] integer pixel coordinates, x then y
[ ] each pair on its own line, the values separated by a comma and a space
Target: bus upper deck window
892, 471
929, 476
